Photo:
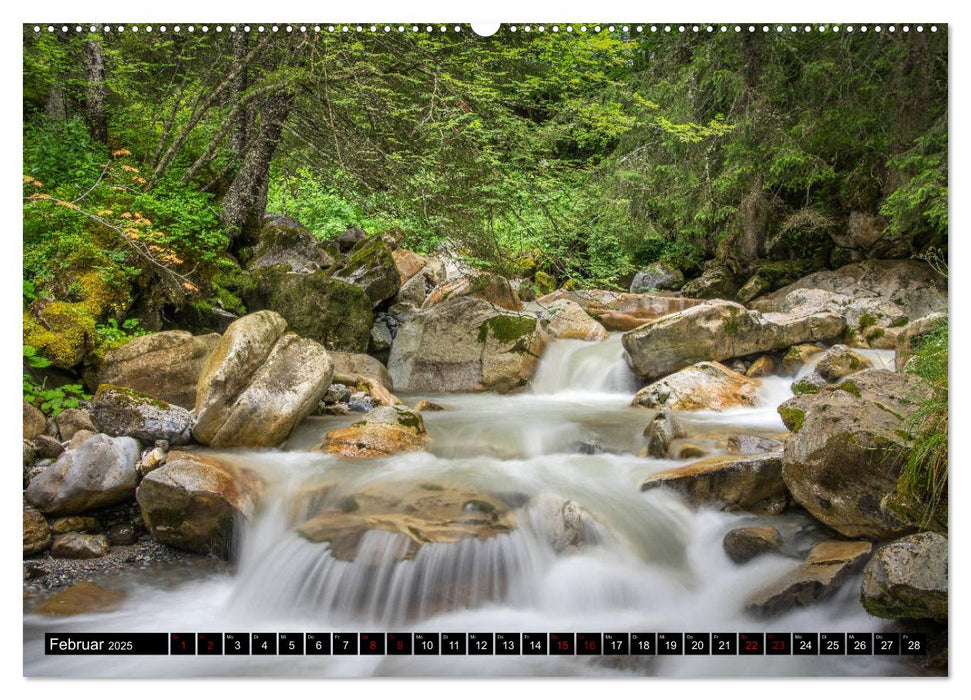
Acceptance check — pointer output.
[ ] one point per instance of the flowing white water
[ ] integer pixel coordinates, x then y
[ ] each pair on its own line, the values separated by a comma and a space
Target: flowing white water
652, 565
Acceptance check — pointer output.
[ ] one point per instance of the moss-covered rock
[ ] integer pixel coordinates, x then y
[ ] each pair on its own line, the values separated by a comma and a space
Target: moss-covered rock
63, 332
333, 312
384, 431
908, 579
371, 267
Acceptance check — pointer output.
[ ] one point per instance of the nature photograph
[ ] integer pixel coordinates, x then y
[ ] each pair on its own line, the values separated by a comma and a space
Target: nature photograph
607, 350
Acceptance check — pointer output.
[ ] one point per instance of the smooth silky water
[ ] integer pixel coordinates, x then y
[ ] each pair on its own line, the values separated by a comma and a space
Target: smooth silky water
656, 565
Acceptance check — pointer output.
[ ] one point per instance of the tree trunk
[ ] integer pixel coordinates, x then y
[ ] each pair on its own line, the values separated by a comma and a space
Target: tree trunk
245, 200
94, 75
237, 137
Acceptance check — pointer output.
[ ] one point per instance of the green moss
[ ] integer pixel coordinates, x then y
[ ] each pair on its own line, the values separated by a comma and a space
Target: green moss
368, 254
506, 328
850, 388
348, 505
431, 487
804, 386
545, 283
731, 324
123, 396
62, 332
792, 417
875, 334
409, 419
900, 322
866, 320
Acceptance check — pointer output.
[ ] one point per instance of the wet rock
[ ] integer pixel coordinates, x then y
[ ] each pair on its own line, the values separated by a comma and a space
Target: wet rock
484, 285
46, 447
333, 312
74, 523
619, 311
98, 473
371, 266
568, 527
764, 366
753, 444
383, 431
661, 431
465, 344
121, 411
720, 330
751, 483
839, 361
657, 276
908, 579
287, 242
79, 437
704, 386
826, 568
361, 402
797, 356
426, 405
421, 513
122, 534
843, 454
75, 545
37, 533
745, 543
194, 501
565, 319
166, 365
81, 599
30, 456
34, 422
687, 450
259, 383
153, 458
337, 393
72, 420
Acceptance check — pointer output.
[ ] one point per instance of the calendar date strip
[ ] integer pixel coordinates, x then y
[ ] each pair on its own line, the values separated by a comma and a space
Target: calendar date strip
487, 643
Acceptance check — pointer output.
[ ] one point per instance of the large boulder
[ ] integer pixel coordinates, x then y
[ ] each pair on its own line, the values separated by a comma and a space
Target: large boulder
875, 297
99, 472
482, 285
371, 266
720, 330
566, 320
259, 383
287, 242
166, 365
35, 423
716, 282
421, 513
383, 431
121, 411
407, 263
37, 532
333, 312
195, 501
827, 567
844, 454
657, 276
752, 483
907, 579
620, 311
465, 344
349, 367
704, 386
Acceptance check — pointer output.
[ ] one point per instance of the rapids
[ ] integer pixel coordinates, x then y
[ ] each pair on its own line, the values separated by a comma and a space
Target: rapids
655, 566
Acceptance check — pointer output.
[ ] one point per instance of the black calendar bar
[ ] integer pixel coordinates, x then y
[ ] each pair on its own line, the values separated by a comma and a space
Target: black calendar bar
489, 643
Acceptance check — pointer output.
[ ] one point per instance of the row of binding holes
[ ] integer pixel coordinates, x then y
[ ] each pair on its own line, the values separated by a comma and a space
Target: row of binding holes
512, 28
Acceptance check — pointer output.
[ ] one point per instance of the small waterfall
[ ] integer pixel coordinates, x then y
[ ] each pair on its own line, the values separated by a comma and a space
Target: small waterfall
581, 366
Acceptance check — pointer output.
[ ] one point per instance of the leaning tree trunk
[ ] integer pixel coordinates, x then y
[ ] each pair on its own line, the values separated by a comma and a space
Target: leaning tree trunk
94, 75
245, 200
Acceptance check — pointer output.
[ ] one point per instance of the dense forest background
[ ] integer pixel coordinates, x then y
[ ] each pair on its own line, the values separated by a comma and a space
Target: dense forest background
557, 157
